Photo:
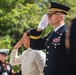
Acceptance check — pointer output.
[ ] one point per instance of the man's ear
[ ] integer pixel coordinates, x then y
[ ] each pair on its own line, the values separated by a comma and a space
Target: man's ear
61, 17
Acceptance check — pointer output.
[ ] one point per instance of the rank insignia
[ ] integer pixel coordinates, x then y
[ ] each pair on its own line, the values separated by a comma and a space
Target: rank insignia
56, 40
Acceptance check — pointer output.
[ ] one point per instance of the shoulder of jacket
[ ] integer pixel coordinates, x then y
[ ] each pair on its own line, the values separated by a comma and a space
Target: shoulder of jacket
24, 51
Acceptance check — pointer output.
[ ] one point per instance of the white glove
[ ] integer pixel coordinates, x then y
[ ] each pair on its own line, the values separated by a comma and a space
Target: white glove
44, 22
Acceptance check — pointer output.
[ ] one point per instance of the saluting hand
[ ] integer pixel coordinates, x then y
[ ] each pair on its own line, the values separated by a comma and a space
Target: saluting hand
19, 44
43, 23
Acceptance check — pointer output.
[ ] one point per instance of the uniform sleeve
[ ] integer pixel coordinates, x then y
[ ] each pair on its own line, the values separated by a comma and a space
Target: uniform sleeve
14, 58
40, 61
36, 42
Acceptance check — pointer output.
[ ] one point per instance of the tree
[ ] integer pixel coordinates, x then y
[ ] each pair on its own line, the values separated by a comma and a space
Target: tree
16, 15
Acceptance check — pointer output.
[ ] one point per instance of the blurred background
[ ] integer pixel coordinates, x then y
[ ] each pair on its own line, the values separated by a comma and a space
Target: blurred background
16, 15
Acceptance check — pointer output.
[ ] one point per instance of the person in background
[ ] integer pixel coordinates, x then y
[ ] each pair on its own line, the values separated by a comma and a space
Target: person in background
57, 62
32, 61
70, 43
5, 67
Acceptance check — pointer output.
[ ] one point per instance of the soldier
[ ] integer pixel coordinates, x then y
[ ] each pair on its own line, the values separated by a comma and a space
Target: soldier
32, 61
5, 67
57, 62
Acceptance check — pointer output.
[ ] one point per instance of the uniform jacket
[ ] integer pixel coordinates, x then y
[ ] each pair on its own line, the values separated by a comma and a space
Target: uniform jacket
57, 62
32, 61
5, 68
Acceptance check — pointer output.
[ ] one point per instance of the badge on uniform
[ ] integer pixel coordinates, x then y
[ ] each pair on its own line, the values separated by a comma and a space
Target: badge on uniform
55, 40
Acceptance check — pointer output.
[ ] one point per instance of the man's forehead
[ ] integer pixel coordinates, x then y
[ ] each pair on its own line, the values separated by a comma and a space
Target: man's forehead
2, 54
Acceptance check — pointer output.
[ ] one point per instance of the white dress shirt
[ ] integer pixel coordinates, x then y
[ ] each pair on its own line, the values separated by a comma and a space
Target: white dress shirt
32, 61
58, 27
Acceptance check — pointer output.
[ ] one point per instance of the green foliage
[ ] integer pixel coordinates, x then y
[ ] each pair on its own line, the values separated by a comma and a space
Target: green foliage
5, 42
16, 15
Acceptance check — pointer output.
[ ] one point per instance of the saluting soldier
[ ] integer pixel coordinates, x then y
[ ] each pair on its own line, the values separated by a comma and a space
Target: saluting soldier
5, 67
57, 62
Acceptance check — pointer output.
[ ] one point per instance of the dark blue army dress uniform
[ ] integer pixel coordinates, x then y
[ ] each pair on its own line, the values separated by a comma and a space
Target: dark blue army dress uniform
55, 55
57, 61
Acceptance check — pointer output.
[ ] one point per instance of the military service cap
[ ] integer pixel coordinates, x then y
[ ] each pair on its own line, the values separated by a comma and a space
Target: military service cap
34, 37
28, 31
56, 7
35, 34
4, 51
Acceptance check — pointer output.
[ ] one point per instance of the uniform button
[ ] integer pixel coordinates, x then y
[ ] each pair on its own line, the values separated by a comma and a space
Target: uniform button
47, 59
46, 65
59, 37
60, 33
54, 47
58, 43
47, 52
47, 46
55, 44
47, 39
52, 43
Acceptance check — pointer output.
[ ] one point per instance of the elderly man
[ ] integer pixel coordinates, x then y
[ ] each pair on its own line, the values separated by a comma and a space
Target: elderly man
32, 61
57, 62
